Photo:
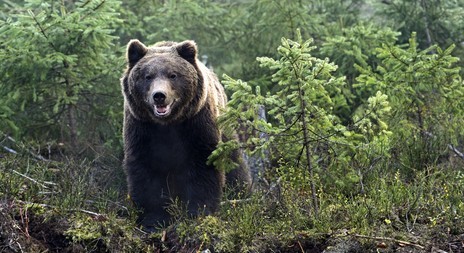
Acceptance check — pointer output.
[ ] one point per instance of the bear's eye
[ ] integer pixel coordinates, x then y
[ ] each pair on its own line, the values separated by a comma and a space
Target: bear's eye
148, 77
172, 76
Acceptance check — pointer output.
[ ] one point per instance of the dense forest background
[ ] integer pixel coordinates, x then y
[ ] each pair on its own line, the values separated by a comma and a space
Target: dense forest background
350, 114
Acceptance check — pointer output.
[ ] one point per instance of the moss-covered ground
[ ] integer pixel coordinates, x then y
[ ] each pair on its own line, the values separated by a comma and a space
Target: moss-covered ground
71, 205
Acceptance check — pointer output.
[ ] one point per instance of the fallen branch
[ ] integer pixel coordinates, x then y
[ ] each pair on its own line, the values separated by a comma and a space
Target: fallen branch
389, 239
235, 201
96, 215
30, 179
451, 147
456, 151
10, 149
143, 232
36, 156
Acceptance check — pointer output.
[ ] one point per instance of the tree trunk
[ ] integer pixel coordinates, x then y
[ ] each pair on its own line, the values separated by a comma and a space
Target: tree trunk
426, 23
72, 126
308, 153
259, 162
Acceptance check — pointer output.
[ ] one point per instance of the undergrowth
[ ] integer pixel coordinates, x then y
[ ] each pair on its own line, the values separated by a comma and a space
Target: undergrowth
63, 205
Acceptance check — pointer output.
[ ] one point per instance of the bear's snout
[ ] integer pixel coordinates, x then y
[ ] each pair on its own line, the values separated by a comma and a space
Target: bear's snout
159, 97
162, 99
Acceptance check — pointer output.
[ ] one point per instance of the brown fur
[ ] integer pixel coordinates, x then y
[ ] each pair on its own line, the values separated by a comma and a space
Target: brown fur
171, 103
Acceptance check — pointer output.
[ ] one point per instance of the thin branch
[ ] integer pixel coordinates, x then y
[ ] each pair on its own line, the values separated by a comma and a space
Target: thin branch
30, 179
451, 147
10, 150
141, 231
41, 29
392, 53
97, 215
389, 239
93, 10
301, 247
300, 154
36, 156
235, 201
456, 151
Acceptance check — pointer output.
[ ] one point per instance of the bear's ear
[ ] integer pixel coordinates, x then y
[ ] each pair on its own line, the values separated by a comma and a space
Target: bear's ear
136, 50
187, 50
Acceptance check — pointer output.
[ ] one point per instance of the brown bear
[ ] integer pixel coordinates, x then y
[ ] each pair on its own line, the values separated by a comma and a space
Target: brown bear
171, 103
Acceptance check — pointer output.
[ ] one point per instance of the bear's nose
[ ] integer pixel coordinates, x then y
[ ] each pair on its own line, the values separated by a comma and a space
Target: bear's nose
159, 97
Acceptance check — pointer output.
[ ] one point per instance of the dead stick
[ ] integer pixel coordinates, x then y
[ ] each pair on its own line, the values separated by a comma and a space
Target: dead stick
69, 210
235, 201
451, 147
31, 179
456, 151
36, 156
389, 239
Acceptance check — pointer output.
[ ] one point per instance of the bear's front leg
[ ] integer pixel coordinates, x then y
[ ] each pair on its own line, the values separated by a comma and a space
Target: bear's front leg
204, 191
149, 196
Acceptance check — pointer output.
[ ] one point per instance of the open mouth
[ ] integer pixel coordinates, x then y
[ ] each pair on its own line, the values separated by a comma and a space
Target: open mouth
162, 110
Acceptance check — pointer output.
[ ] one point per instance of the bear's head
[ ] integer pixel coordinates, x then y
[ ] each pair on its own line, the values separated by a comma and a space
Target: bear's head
163, 83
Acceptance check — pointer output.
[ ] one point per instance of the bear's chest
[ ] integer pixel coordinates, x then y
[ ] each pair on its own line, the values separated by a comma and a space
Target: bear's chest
176, 149
170, 148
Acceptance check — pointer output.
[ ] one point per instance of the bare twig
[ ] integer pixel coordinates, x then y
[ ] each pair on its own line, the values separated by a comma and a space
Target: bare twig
30, 179
36, 156
451, 147
19, 245
97, 215
301, 247
389, 239
25, 222
88, 212
235, 201
141, 231
456, 151
10, 150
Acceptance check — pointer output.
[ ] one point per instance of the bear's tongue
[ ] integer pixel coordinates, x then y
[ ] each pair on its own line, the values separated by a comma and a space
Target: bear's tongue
161, 109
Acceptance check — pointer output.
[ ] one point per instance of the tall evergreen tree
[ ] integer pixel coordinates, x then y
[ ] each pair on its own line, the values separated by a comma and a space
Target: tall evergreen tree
58, 71
425, 91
